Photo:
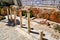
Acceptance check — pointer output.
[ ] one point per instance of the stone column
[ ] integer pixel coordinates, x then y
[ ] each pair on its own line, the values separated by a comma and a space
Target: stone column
2, 11
28, 16
15, 2
20, 13
10, 14
15, 16
41, 35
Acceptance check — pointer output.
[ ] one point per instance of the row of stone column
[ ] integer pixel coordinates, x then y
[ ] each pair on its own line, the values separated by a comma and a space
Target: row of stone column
20, 13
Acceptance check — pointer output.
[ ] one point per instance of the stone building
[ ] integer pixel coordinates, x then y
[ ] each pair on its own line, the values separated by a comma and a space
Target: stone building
34, 2
40, 2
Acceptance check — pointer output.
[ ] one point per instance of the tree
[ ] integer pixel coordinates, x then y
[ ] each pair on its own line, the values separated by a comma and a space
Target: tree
2, 1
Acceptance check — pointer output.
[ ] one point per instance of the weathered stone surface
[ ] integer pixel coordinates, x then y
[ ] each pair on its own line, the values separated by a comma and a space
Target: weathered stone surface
2, 17
17, 33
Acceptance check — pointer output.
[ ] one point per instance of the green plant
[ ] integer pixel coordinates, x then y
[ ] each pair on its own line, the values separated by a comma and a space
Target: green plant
31, 15
4, 3
25, 14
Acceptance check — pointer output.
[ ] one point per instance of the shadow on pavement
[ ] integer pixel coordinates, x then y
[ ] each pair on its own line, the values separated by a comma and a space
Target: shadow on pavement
11, 23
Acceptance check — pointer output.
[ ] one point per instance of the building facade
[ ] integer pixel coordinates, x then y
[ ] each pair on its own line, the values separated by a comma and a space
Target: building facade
40, 2
34, 2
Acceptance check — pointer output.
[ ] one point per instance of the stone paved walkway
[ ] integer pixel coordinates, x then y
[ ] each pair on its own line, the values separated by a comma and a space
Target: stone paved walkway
11, 33
17, 33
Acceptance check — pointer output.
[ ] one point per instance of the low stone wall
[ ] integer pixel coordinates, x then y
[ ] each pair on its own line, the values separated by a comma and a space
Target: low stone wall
3, 11
47, 13
50, 14
2, 17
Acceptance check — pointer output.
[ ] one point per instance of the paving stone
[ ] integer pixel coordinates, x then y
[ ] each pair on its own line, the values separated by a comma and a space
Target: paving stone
10, 33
